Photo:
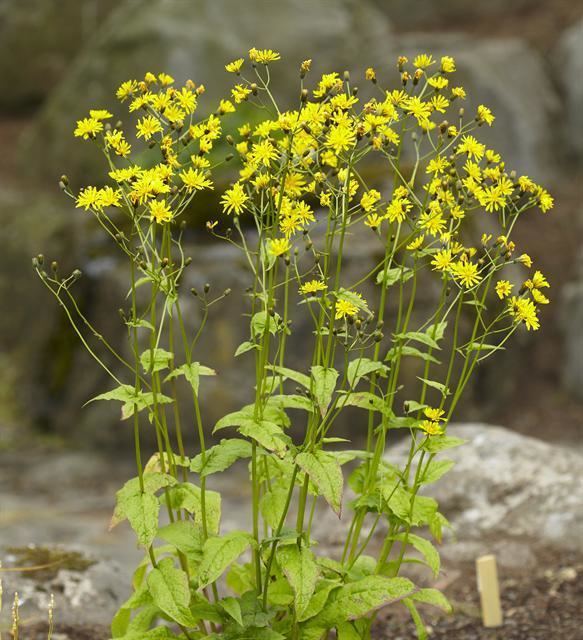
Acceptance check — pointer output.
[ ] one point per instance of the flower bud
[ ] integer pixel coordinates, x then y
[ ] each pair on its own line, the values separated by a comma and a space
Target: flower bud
54, 266
226, 292
207, 287
304, 95
194, 292
64, 179
187, 261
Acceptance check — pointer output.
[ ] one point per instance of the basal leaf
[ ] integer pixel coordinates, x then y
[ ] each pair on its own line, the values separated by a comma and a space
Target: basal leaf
170, 591
433, 597
325, 472
221, 456
425, 548
219, 552
185, 536
324, 384
301, 571
188, 496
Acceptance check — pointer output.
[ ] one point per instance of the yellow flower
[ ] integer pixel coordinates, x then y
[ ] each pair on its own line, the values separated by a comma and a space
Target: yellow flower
436, 415
398, 209
373, 220
341, 137
345, 309
485, 115
235, 66
415, 244
234, 199
240, 93
279, 246
160, 212
263, 152
226, 106
432, 221
466, 272
88, 198
439, 103
419, 109
369, 199
186, 99
370, 74
546, 201
447, 64
165, 79
438, 82
109, 197
88, 128
458, 92
524, 310
437, 165
263, 56
538, 281
470, 146
423, 61
526, 260
431, 428
126, 89
147, 127
442, 260
100, 114
503, 289
195, 180
314, 286
491, 198
539, 297
174, 114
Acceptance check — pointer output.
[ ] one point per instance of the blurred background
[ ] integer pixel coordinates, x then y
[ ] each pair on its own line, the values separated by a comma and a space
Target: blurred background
58, 58
523, 58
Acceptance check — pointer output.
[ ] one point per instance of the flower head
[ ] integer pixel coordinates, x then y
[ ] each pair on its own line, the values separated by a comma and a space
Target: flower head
160, 211
313, 286
234, 199
88, 128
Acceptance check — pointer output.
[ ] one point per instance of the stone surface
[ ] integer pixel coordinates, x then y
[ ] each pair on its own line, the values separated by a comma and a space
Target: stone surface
509, 486
571, 313
38, 39
194, 39
569, 65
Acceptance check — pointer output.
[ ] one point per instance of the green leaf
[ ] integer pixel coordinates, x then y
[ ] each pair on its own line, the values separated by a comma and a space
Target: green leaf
187, 496
142, 513
185, 536
221, 456
170, 592
126, 394
435, 385
301, 378
437, 330
244, 347
219, 552
232, 607
268, 434
353, 298
435, 470
272, 505
433, 597
425, 548
392, 276
360, 598
346, 631
405, 350
192, 373
398, 500
434, 444
324, 384
141, 323
153, 360
361, 367
412, 406
418, 336
319, 599
262, 321
325, 472
301, 571
363, 399
415, 616
292, 401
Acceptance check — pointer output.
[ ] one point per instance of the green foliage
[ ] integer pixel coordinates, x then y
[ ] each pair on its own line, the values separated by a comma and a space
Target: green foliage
388, 362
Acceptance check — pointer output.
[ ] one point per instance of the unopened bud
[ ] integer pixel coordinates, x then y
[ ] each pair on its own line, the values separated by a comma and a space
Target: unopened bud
64, 179
226, 292
304, 95
207, 287
54, 266
187, 261
194, 292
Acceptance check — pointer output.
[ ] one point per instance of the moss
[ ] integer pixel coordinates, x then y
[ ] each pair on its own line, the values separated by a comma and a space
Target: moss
43, 563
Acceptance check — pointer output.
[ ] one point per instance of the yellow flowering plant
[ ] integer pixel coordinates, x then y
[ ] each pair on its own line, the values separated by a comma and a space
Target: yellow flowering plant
300, 197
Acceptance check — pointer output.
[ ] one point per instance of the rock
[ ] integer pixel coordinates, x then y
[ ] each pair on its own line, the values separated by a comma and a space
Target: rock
506, 486
195, 40
571, 316
88, 596
428, 13
38, 39
511, 78
569, 65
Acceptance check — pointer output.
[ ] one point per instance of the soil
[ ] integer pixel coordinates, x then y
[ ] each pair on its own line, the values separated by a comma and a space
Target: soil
537, 605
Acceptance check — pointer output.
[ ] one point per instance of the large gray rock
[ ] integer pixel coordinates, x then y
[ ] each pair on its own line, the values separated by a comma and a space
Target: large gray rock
511, 78
431, 14
194, 39
38, 39
507, 486
569, 64
571, 315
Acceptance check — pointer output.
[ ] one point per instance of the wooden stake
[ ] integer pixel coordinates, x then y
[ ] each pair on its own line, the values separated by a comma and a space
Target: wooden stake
489, 591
